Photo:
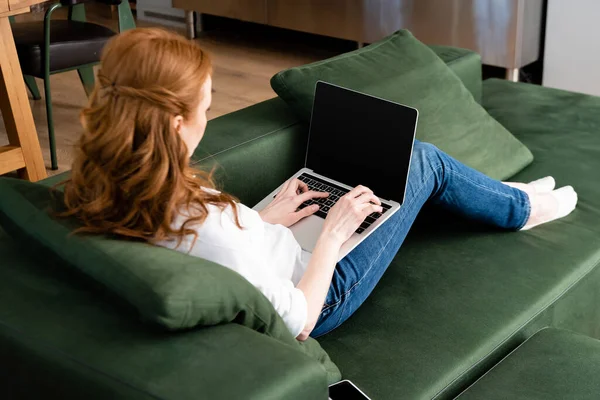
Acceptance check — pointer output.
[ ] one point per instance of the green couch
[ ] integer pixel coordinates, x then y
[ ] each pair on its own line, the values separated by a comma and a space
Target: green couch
456, 300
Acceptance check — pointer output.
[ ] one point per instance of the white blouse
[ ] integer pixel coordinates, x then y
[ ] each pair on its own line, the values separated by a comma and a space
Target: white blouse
267, 255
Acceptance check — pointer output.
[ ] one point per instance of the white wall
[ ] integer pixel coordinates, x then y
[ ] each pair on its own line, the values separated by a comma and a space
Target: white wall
572, 53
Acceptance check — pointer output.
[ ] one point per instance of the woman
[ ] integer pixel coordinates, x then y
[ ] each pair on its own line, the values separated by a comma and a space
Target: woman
131, 177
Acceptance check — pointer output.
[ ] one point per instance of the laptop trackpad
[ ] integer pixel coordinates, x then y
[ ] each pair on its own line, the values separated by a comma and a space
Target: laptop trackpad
307, 231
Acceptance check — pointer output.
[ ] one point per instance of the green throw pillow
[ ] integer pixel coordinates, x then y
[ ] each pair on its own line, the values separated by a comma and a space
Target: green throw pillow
404, 70
167, 287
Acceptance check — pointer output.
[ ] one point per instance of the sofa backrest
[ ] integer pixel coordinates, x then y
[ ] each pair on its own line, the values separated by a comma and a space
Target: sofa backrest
233, 141
270, 132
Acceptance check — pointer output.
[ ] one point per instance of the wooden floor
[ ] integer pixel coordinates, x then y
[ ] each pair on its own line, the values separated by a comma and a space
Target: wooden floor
244, 61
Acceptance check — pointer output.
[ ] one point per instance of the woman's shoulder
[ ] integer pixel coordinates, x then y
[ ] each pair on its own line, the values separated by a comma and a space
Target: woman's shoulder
214, 230
219, 223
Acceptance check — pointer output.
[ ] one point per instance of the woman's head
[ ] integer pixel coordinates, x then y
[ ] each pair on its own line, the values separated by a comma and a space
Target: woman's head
144, 120
157, 82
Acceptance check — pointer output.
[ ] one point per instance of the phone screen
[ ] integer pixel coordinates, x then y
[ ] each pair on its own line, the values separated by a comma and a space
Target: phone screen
345, 390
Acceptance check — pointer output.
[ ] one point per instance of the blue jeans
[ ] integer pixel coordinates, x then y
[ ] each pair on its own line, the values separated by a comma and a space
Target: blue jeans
433, 176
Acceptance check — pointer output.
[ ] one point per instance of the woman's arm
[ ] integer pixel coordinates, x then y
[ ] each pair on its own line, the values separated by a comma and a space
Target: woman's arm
341, 222
317, 278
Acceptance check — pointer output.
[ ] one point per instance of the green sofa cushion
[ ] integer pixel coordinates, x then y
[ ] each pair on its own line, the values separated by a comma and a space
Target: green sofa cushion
166, 287
552, 365
459, 296
80, 341
466, 64
402, 69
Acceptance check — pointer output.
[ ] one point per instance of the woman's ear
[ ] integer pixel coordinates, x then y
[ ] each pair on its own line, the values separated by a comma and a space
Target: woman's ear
178, 123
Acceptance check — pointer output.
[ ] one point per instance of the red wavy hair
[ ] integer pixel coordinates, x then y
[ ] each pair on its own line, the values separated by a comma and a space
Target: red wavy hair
131, 173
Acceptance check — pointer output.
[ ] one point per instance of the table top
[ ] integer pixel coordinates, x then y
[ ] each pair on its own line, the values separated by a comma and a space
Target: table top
12, 7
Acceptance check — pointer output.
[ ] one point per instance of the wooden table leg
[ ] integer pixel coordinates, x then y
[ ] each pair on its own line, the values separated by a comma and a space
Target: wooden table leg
15, 108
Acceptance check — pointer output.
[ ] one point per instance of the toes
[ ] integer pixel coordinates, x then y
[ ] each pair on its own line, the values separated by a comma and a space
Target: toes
544, 185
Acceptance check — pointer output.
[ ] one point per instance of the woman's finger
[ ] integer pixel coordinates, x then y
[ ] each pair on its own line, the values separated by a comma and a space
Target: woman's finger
303, 187
284, 187
292, 188
305, 212
357, 191
369, 208
311, 194
295, 185
368, 197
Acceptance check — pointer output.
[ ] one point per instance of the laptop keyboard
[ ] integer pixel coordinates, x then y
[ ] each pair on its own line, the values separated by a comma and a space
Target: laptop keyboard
335, 192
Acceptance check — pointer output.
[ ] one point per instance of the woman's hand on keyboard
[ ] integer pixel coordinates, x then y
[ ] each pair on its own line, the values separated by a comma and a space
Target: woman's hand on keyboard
283, 209
349, 212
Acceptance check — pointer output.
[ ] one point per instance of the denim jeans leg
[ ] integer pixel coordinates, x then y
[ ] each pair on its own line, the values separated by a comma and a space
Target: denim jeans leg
433, 176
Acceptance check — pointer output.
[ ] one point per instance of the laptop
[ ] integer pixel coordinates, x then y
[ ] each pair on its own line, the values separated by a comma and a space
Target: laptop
354, 139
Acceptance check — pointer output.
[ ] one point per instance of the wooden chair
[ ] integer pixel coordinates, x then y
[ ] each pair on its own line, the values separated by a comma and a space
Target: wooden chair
55, 46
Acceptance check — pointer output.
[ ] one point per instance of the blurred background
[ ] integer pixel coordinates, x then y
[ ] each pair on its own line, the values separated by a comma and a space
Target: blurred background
547, 42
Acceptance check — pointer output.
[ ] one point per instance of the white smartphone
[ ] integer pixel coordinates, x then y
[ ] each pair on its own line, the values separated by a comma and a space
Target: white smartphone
346, 390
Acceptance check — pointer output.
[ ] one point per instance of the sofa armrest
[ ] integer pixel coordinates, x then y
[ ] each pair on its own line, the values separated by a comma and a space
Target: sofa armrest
222, 362
64, 334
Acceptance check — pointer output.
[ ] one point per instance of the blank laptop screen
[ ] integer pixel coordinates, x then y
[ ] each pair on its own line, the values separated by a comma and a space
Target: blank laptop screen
358, 139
